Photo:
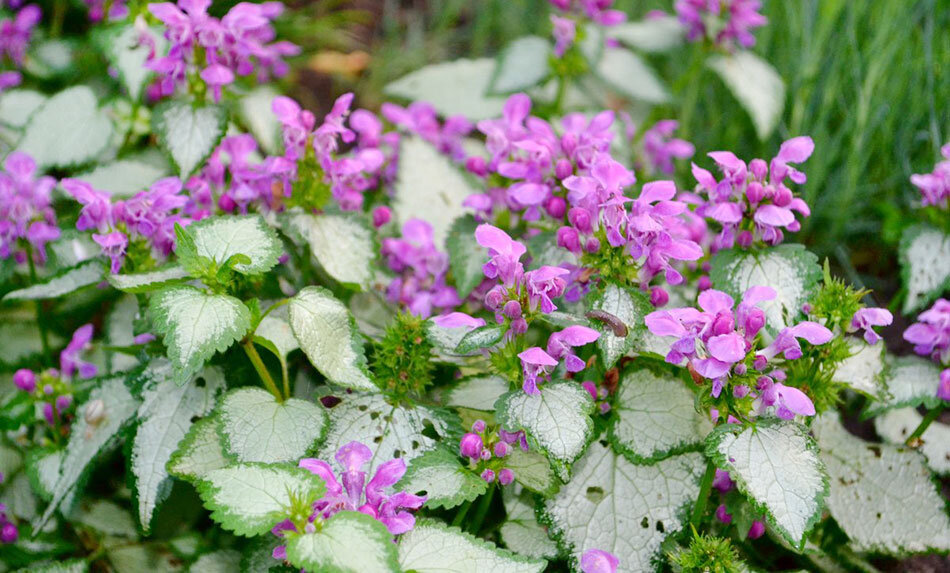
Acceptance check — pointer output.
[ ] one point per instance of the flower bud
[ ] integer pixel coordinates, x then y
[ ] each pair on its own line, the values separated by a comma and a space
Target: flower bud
740, 391
563, 169
592, 245
476, 166
94, 412
48, 413
495, 297
659, 297
760, 362
591, 388
485, 455
783, 196
759, 168
704, 283
555, 206
580, 219
519, 326
488, 475
754, 322
471, 446
755, 192
63, 402
25, 380
722, 515
512, 309
381, 216
757, 530
567, 238
740, 369
506, 476
226, 203
9, 533
501, 449
479, 426
310, 528
723, 323
745, 239
604, 407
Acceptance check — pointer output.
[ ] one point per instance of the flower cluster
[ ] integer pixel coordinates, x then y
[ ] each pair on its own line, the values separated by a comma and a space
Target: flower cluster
314, 150
52, 388
8, 530
217, 50
27, 219
751, 202
719, 340
15, 34
421, 119
486, 448
420, 268
930, 336
536, 363
935, 186
597, 11
660, 148
355, 494
723, 22
143, 224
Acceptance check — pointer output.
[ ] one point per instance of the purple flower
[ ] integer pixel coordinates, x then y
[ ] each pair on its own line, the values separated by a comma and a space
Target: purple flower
930, 335
9, 80
69, 361
722, 481
113, 246
868, 317
535, 363
297, 125
471, 446
421, 119
15, 33
565, 30
420, 270
721, 21
117, 10
392, 510
786, 343
504, 254
756, 530
26, 210
561, 345
660, 147
544, 284
943, 389
458, 320
598, 561
723, 515
25, 380
935, 186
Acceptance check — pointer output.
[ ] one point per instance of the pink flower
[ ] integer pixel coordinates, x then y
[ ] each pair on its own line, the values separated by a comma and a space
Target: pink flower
599, 561
69, 361
561, 345
504, 254
865, 318
931, 334
935, 186
535, 364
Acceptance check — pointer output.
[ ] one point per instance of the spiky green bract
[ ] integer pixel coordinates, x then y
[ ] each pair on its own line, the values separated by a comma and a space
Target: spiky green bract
707, 554
348, 542
401, 363
250, 498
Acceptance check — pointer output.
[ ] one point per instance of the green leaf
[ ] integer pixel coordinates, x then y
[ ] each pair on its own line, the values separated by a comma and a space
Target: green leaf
432, 547
188, 134
21, 338
165, 417
275, 334
327, 334
128, 57
757, 86
625, 72
466, 256
124, 177
348, 542
445, 340
18, 497
343, 244
250, 498
522, 65
68, 129
221, 238
895, 426
220, 561
255, 109
70, 280
623, 508
69, 566
558, 420
479, 392
257, 428
458, 87
201, 451
911, 381
443, 479
627, 306
882, 496
789, 269
521, 531
429, 187
925, 265
389, 431
863, 370
87, 440
655, 416
533, 471
17, 106
196, 324
149, 281
481, 337
776, 464
652, 35
106, 517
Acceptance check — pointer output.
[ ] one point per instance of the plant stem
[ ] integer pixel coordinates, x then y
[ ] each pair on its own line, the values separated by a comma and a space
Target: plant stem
461, 514
483, 504
44, 336
261, 369
704, 488
559, 97
914, 440
59, 14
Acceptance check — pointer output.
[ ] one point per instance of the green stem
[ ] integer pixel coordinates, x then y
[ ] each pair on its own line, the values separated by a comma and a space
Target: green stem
460, 516
59, 14
704, 488
559, 98
483, 504
913, 440
261, 369
44, 336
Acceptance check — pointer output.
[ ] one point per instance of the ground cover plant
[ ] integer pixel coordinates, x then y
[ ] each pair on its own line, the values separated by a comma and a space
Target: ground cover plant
560, 308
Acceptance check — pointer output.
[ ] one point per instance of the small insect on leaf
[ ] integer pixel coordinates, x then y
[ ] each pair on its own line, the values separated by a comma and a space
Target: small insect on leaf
615, 324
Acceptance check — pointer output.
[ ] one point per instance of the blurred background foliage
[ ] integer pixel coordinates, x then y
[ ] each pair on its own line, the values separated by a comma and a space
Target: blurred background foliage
869, 80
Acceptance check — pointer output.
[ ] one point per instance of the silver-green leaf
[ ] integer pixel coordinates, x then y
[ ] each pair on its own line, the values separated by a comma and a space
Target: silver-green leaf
343, 244
69, 129
756, 84
925, 265
348, 542
188, 134
432, 547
